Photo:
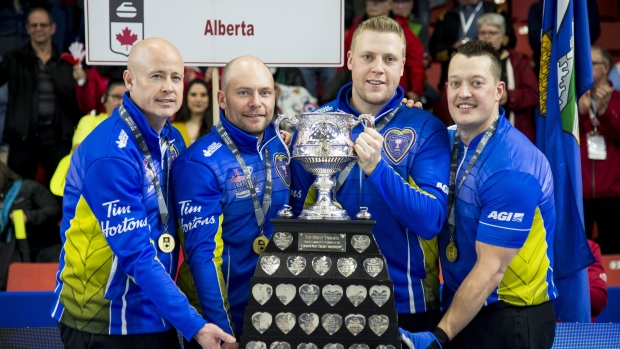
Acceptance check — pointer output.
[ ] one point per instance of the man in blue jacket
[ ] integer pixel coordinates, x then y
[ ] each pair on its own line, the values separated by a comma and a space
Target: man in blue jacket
114, 285
401, 172
227, 186
497, 247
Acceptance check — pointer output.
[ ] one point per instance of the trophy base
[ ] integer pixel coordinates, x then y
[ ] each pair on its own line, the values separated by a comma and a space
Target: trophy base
328, 212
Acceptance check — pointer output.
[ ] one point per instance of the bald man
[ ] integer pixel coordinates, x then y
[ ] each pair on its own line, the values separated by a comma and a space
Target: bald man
217, 183
114, 284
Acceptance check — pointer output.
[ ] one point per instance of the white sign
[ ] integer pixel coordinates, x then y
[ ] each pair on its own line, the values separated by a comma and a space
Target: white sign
212, 32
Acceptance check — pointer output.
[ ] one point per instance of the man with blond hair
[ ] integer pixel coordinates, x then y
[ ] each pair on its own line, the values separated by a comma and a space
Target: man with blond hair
401, 174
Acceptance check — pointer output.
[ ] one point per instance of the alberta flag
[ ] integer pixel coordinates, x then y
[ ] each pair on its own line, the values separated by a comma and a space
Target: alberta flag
565, 74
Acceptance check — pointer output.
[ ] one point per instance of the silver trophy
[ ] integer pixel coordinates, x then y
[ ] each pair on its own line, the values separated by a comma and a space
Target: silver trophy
324, 148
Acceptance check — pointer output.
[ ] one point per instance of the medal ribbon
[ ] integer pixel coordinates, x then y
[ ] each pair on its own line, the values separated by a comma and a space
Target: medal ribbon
259, 212
466, 25
452, 194
161, 201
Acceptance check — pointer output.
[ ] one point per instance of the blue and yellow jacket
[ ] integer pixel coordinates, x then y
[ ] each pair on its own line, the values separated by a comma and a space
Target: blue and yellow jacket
113, 278
217, 221
507, 201
406, 195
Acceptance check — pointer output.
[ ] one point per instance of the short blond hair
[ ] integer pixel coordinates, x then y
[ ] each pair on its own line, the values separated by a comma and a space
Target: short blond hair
381, 24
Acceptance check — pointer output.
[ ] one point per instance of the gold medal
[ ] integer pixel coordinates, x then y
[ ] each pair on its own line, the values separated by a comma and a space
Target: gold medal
259, 244
166, 242
451, 251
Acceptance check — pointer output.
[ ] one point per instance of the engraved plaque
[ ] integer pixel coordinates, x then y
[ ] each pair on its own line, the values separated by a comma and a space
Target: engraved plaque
332, 294
285, 322
381, 346
360, 242
309, 293
308, 322
285, 293
373, 266
356, 294
378, 324
261, 321
270, 264
346, 266
321, 265
380, 294
322, 242
280, 345
331, 323
355, 323
307, 346
296, 264
256, 345
333, 346
282, 240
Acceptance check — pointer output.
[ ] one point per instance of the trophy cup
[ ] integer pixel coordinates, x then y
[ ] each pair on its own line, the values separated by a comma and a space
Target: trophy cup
324, 148
322, 282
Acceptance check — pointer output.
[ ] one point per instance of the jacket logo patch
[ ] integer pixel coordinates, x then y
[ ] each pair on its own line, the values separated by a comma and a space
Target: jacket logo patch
397, 143
212, 148
281, 163
242, 185
173, 153
122, 139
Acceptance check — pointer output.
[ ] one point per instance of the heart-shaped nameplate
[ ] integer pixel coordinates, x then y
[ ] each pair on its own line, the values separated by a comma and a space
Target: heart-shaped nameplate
378, 324
282, 240
308, 322
262, 293
332, 294
270, 264
360, 242
346, 266
321, 265
373, 266
296, 264
261, 321
356, 294
285, 293
331, 323
355, 323
380, 294
309, 293
285, 322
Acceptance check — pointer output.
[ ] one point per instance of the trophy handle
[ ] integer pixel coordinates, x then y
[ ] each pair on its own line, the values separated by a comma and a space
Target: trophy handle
364, 117
279, 119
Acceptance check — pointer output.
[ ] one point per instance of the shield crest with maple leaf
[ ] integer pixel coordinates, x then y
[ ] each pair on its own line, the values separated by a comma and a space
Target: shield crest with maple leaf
126, 25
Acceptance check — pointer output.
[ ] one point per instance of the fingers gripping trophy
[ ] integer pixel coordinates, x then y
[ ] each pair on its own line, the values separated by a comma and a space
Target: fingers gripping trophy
324, 148
321, 282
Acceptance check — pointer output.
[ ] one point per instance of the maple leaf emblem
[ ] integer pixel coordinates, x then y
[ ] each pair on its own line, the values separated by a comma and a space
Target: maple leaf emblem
126, 38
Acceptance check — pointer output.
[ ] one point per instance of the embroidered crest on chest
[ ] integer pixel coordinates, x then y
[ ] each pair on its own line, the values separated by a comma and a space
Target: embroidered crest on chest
397, 143
281, 165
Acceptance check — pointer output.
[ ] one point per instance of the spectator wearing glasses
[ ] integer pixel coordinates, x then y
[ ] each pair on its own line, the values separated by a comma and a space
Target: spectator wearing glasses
599, 128
42, 109
521, 95
112, 99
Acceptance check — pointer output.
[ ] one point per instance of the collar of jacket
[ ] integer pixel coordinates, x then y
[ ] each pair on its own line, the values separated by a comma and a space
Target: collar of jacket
29, 51
344, 97
151, 137
502, 125
245, 140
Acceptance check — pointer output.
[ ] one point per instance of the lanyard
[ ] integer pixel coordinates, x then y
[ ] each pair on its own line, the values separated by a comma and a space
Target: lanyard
466, 25
259, 212
452, 194
163, 209
345, 173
